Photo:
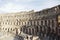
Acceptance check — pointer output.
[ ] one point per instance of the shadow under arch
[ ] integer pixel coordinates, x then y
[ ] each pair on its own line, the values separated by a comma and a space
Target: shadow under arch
38, 30
43, 32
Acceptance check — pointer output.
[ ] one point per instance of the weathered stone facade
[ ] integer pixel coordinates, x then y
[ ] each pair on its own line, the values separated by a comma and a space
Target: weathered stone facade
31, 23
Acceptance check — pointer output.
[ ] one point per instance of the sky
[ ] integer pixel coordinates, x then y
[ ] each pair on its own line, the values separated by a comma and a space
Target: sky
9, 6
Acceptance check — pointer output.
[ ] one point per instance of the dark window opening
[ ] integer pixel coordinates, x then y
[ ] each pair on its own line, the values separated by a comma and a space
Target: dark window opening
26, 30
33, 31
31, 22
37, 28
59, 30
46, 22
29, 31
21, 29
52, 23
41, 22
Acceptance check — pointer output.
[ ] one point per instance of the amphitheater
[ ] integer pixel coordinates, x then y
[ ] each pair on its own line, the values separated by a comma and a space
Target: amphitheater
11, 23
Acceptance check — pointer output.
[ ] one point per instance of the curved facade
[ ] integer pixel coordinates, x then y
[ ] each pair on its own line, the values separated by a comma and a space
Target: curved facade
32, 23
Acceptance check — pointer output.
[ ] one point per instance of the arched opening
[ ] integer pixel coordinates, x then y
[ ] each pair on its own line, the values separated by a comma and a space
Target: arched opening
8, 29
32, 31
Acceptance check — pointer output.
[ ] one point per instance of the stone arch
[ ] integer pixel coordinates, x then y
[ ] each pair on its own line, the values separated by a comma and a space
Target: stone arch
43, 28
0, 28
5, 28
16, 29
21, 29
8, 29
32, 31
28, 31
11, 29
40, 28
37, 28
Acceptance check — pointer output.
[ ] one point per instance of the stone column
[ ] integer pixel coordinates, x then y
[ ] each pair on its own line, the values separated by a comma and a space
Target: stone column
29, 23
28, 31
16, 31
35, 22
55, 25
32, 22
34, 32
43, 22
39, 22
47, 22
31, 30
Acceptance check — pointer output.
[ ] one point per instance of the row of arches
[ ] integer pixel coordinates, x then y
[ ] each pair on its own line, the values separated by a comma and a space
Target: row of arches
35, 30
49, 22
40, 31
11, 30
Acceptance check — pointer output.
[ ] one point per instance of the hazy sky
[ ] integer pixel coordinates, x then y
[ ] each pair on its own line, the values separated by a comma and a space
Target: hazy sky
22, 5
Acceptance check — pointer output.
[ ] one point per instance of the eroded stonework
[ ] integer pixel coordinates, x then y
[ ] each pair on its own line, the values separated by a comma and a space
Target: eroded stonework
29, 25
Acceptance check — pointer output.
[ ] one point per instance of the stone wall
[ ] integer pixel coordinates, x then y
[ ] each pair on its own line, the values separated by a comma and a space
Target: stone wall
12, 22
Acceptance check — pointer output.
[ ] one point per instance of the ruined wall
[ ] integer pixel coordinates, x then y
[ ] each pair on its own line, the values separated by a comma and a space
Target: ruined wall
9, 22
